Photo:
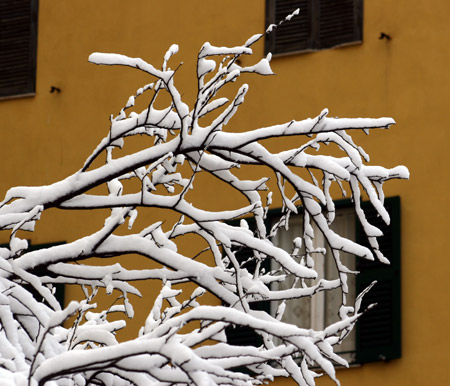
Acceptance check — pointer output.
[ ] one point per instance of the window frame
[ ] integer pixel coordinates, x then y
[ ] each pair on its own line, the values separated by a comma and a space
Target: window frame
27, 87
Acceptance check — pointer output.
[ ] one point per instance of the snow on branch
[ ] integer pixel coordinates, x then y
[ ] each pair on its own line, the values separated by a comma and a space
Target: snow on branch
37, 348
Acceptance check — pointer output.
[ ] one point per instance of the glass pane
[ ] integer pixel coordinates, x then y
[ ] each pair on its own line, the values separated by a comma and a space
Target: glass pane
298, 311
344, 225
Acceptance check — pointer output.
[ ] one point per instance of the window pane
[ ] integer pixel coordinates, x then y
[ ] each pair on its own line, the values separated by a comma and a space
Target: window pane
344, 225
298, 311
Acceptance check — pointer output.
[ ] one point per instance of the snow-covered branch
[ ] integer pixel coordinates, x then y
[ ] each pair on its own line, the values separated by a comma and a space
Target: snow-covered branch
184, 341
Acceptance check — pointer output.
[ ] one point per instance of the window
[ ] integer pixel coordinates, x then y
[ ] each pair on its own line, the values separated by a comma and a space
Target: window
18, 43
321, 310
378, 333
321, 24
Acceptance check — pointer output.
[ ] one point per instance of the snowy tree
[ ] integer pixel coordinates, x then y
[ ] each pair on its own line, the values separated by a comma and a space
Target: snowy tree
183, 340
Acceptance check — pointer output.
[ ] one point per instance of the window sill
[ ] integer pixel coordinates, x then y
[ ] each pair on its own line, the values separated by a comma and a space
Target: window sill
312, 50
16, 96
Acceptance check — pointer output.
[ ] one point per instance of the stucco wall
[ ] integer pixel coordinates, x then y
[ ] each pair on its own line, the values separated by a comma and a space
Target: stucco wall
48, 136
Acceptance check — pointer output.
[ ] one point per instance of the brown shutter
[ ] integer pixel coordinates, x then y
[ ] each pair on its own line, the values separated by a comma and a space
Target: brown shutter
291, 36
321, 24
18, 40
340, 22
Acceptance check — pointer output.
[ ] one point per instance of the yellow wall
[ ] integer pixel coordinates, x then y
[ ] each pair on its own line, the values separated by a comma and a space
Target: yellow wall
47, 137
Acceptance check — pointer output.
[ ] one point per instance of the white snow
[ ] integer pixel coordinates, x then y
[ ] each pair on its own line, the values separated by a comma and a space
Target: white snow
183, 339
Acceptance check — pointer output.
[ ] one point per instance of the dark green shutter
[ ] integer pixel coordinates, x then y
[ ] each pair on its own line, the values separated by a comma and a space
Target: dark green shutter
59, 288
240, 335
379, 329
18, 46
